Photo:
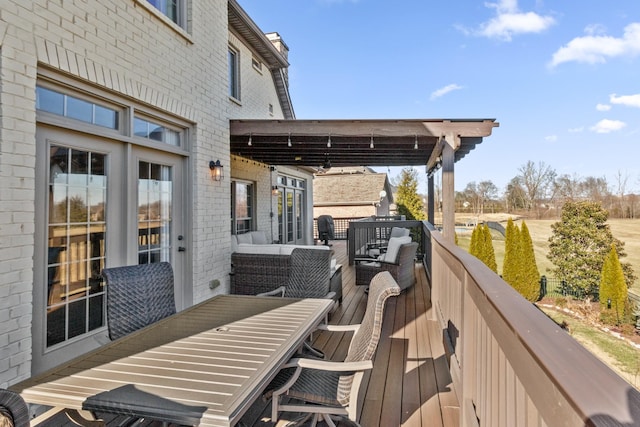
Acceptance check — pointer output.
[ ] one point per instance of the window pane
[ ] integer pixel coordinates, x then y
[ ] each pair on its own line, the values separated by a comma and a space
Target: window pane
233, 74
106, 117
76, 248
48, 100
170, 8
154, 213
79, 109
146, 129
242, 208
75, 108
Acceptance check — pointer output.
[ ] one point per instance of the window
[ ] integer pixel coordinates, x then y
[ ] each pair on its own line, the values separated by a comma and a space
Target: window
234, 74
172, 9
148, 129
257, 65
242, 205
73, 107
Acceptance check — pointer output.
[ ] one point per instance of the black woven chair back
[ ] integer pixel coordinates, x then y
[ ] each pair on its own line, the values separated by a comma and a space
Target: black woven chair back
137, 296
13, 406
310, 274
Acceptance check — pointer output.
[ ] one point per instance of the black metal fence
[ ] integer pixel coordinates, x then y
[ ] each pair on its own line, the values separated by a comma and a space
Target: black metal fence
341, 225
553, 287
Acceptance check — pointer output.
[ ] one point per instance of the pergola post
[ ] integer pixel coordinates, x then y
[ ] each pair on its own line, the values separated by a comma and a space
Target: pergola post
430, 199
448, 189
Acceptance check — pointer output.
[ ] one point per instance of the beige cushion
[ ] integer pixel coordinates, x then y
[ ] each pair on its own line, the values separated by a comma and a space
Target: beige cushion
259, 238
399, 232
393, 248
259, 249
244, 238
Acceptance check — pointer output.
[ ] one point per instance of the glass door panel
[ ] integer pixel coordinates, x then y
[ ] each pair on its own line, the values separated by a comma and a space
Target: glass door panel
155, 200
290, 217
299, 217
77, 189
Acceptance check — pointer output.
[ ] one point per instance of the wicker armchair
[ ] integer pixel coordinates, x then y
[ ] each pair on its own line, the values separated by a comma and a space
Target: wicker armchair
137, 296
402, 269
325, 387
14, 408
309, 277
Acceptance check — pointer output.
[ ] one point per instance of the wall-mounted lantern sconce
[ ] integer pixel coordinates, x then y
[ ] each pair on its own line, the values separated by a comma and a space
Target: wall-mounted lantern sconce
274, 190
216, 170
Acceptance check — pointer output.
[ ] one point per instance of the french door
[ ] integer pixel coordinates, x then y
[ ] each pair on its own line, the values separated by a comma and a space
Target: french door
100, 203
291, 215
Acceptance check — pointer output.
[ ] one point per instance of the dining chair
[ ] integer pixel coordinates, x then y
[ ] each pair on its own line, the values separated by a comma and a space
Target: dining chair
13, 409
137, 296
323, 388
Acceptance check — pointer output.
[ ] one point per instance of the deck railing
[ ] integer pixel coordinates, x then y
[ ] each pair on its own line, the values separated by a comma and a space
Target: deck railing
510, 364
368, 232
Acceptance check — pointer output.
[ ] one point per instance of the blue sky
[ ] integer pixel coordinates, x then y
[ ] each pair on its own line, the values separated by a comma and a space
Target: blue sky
561, 77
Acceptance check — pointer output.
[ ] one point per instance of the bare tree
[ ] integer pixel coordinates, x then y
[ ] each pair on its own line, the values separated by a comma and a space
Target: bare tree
568, 188
515, 195
538, 183
596, 189
621, 181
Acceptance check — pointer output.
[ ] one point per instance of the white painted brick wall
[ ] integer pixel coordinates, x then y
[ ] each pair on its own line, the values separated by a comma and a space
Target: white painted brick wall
122, 47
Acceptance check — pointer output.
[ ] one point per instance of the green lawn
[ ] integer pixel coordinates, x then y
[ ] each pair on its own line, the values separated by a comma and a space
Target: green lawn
621, 356
627, 230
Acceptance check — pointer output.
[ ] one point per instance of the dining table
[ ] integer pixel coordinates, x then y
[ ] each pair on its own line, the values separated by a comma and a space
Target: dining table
204, 366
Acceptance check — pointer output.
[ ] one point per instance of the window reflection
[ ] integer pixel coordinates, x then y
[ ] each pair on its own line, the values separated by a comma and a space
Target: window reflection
70, 106
154, 212
76, 243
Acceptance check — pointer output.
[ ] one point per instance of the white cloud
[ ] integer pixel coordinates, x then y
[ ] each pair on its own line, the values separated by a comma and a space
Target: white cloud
576, 130
594, 49
445, 90
551, 138
510, 21
603, 107
506, 25
608, 126
628, 100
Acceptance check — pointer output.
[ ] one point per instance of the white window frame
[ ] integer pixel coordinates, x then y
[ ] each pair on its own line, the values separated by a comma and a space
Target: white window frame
251, 195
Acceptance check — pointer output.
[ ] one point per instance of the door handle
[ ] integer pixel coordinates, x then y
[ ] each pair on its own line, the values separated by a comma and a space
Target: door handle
181, 249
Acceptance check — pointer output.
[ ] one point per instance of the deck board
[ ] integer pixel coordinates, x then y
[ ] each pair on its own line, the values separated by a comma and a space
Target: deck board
410, 384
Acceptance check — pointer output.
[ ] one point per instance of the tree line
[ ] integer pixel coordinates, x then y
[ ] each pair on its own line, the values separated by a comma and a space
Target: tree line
539, 192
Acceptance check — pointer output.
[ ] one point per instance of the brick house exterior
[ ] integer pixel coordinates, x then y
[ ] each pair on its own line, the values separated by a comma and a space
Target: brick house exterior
79, 79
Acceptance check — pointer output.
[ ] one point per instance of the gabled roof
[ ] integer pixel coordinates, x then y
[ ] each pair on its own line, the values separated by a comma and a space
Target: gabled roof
349, 189
241, 23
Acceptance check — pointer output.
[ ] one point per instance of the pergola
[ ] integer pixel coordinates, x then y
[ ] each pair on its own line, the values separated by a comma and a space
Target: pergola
432, 143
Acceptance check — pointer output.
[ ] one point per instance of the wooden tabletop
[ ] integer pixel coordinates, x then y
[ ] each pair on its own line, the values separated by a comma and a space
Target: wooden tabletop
216, 358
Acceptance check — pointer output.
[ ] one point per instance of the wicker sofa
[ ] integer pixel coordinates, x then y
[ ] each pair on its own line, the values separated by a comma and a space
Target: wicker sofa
261, 267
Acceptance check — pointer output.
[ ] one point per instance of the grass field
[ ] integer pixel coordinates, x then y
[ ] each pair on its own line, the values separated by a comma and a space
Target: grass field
626, 230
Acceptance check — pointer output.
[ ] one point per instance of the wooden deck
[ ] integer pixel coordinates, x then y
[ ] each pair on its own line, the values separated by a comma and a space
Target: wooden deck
410, 383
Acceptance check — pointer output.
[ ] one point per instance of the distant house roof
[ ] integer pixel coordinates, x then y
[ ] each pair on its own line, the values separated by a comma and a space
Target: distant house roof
341, 189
